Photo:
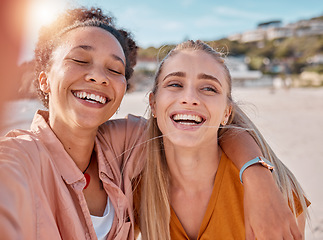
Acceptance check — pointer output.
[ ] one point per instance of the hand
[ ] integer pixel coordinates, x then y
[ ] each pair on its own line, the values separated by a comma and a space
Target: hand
267, 214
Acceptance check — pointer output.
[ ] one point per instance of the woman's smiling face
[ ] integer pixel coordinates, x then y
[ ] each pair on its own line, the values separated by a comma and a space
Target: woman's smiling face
191, 99
86, 81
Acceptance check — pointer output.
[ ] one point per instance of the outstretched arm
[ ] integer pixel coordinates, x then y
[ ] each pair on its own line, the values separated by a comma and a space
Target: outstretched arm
17, 213
267, 214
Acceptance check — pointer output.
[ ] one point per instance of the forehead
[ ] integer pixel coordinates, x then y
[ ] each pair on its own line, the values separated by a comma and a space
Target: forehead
194, 62
99, 38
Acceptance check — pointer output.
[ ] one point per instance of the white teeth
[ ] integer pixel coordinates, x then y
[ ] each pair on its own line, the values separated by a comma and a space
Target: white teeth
188, 123
90, 96
179, 117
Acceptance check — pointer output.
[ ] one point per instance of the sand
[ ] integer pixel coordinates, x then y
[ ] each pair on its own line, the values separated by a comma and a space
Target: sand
290, 120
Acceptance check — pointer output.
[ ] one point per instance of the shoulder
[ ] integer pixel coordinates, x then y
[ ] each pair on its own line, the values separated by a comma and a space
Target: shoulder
230, 172
125, 138
129, 121
20, 147
124, 126
17, 161
18, 139
229, 165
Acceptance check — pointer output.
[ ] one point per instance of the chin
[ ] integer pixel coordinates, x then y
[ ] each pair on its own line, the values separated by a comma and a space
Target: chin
88, 123
185, 142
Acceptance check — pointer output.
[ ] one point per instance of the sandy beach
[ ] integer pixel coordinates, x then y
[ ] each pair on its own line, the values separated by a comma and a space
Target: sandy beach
291, 121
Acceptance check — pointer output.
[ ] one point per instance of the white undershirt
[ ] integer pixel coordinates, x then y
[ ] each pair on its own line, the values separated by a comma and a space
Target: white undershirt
102, 225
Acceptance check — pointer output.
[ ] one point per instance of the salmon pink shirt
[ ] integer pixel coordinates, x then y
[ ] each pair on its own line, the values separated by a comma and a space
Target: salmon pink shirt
41, 187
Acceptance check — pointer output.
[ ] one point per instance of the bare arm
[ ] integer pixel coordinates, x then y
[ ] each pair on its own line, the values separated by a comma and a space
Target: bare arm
240, 148
267, 214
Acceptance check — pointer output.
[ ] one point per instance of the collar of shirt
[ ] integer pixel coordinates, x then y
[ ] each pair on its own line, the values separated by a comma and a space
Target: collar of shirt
63, 162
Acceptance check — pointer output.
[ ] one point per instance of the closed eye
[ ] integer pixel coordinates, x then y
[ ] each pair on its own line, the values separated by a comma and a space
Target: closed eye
79, 61
115, 72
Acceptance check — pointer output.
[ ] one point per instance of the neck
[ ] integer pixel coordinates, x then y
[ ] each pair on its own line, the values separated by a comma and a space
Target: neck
192, 169
78, 143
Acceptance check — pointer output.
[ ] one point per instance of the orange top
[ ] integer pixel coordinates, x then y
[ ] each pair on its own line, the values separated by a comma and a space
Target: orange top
224, 217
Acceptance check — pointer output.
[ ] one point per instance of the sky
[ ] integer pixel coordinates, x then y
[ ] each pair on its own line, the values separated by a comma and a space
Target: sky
156, 23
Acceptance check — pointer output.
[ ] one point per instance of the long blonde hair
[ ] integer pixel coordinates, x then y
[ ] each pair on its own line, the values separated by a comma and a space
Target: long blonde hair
154, 205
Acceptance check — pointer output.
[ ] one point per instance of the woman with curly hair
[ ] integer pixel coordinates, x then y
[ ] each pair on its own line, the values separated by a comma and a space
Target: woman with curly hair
62, 178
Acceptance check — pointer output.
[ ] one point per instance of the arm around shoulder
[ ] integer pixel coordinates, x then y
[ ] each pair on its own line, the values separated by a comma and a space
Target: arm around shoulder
240, 147
17, 210
260, 192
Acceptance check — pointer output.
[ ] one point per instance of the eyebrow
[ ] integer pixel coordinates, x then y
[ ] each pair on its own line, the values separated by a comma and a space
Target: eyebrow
87, 47
210, 77
174, 74
118, 59
200, 76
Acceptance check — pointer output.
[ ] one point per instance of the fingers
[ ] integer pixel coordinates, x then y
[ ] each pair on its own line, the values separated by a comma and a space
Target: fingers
249, 233
291, 229
292, 233
267, 213
286, 231
298, 229
295, 231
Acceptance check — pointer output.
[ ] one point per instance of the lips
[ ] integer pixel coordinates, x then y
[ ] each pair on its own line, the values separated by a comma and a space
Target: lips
188, 119
91, 97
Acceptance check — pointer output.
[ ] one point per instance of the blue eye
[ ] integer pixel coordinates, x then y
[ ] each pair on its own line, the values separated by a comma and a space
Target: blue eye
210, 89
174, 85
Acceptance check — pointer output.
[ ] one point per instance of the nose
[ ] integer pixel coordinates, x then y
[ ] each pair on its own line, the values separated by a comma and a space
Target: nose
98, 76
190, 96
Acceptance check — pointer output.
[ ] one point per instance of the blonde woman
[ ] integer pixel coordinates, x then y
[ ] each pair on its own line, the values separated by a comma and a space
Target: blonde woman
189, 184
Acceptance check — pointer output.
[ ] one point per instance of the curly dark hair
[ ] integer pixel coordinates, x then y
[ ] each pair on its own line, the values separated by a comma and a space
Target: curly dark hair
50, 35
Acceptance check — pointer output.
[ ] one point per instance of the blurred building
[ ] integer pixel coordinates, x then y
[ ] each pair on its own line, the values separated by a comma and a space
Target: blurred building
241, 75
275, 30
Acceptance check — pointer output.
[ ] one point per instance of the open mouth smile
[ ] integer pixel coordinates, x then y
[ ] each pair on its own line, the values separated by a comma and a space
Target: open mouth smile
188, 119
91, 97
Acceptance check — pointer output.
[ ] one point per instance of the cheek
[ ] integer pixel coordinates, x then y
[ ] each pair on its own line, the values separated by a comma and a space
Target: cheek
161, 104
120, 88
60, 75
218, 106
161, 121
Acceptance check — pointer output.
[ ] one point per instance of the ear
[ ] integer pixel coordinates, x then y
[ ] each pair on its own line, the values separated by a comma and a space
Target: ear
227, 113
152, 103
43, 82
